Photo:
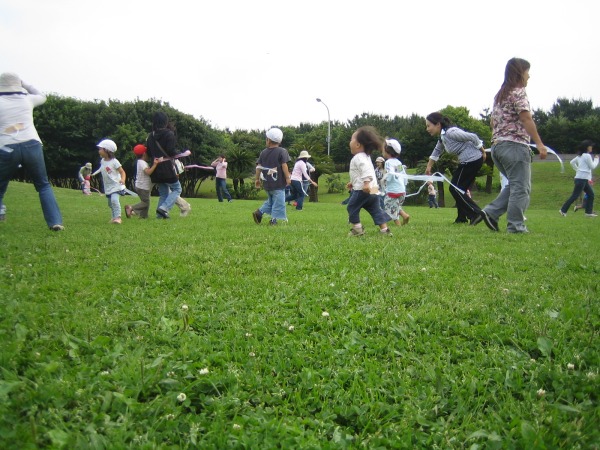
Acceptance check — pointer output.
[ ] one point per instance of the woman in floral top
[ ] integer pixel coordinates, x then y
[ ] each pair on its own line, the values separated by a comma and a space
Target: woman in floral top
512, 129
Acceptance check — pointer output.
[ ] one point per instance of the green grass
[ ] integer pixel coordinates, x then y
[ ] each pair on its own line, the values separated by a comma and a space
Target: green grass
438, 337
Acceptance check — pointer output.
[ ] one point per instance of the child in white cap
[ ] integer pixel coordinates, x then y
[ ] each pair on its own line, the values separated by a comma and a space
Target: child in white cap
395, 185
272, 168
113, 177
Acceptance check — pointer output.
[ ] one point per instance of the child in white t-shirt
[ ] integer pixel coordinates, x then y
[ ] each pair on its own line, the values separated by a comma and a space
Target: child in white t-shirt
143, 184
113, 177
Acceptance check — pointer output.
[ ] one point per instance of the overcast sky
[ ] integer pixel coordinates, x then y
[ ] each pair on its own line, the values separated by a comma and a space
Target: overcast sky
246, 64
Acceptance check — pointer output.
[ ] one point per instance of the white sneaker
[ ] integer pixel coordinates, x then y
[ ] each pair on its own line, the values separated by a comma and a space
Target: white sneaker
591, 215
564, 214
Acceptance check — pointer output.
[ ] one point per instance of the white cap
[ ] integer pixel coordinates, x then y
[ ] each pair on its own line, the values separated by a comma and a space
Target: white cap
275, 135
394, 144
108, 145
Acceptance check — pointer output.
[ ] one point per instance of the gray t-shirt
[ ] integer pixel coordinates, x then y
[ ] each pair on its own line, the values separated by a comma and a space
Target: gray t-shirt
271, 159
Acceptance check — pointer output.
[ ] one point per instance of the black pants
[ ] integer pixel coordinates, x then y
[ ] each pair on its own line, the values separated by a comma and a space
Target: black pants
463, 177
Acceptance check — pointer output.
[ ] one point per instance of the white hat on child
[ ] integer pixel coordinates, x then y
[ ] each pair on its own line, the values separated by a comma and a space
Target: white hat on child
108, 145
275, 135
394, 144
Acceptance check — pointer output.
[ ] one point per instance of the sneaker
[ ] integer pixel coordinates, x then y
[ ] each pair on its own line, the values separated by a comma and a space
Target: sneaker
116, 221
405, 221
257, 216
575, 208
476, 220
591, 215
128, 211
163, 213
386, 232
57, 227
564, 214
355, 232
492, 224
273, 222
185, 212
230, 200
2, 217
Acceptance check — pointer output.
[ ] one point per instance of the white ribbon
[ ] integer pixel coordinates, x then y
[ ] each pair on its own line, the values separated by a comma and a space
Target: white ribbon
435, 177
270, 172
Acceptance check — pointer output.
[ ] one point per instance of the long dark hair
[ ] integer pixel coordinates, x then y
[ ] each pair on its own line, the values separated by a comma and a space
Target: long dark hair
437, 117
513, 78
369, 138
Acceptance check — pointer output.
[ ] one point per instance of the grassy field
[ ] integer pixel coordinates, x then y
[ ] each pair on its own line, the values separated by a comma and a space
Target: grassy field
212, 332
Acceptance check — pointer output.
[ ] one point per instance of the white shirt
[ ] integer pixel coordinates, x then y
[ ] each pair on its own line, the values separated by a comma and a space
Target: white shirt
584, 165
16, 116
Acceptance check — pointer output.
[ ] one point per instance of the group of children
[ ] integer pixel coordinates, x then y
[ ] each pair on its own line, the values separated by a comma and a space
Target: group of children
113, 178
272, 174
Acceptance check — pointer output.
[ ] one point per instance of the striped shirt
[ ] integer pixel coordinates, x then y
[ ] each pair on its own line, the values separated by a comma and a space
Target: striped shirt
463, 144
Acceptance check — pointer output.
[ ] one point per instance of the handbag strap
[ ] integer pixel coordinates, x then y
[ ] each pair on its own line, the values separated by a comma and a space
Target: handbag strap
159, 146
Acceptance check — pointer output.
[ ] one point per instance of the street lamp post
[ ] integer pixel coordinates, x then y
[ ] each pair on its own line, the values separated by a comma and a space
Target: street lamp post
328, 126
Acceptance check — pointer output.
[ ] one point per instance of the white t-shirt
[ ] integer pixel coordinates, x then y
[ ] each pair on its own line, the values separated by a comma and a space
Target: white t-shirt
111, 176
142, 181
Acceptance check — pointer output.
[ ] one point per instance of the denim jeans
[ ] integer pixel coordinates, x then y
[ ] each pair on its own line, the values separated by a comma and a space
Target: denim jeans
221, 185
297, 193
514, 162
30, 155
167, 195
581, 185
275, 204
370, 202
114, 203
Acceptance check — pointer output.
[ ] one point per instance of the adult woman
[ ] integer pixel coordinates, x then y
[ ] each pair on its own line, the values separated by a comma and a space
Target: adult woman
161, 144
583, 166
20, 145
512, 129
299, 175
471, 154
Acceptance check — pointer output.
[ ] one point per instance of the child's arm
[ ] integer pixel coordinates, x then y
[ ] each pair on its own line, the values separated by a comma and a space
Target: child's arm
286, 172
123, 175
150, 170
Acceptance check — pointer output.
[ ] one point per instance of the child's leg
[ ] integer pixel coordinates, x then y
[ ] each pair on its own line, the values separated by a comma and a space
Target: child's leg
115, 205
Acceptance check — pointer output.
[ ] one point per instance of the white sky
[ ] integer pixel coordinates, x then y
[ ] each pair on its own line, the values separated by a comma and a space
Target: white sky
250, 64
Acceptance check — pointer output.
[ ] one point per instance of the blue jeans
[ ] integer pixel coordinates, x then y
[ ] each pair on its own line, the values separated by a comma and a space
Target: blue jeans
297, 193
114, 204
275, 204
221, 185
514, 162
167, 195
581, 185
370, 202
30, 155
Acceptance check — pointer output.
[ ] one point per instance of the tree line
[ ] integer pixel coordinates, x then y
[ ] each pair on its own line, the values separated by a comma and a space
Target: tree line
71, 128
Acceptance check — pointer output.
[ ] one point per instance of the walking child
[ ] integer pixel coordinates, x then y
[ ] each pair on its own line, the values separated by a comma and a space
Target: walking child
143, 183
432, 195
272, 168
363, 182
113, 177
87, 186
395, 185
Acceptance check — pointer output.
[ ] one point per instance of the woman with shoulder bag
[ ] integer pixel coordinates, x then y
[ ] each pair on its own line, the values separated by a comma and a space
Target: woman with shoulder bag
161, 144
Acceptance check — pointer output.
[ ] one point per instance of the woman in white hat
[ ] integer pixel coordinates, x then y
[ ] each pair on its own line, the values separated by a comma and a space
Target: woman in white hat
299, 175
20, 145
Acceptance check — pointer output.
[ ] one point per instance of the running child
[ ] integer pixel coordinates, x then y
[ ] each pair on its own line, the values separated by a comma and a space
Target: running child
113, 177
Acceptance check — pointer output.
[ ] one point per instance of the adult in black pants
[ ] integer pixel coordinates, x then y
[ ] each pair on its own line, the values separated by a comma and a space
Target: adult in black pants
471, 155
